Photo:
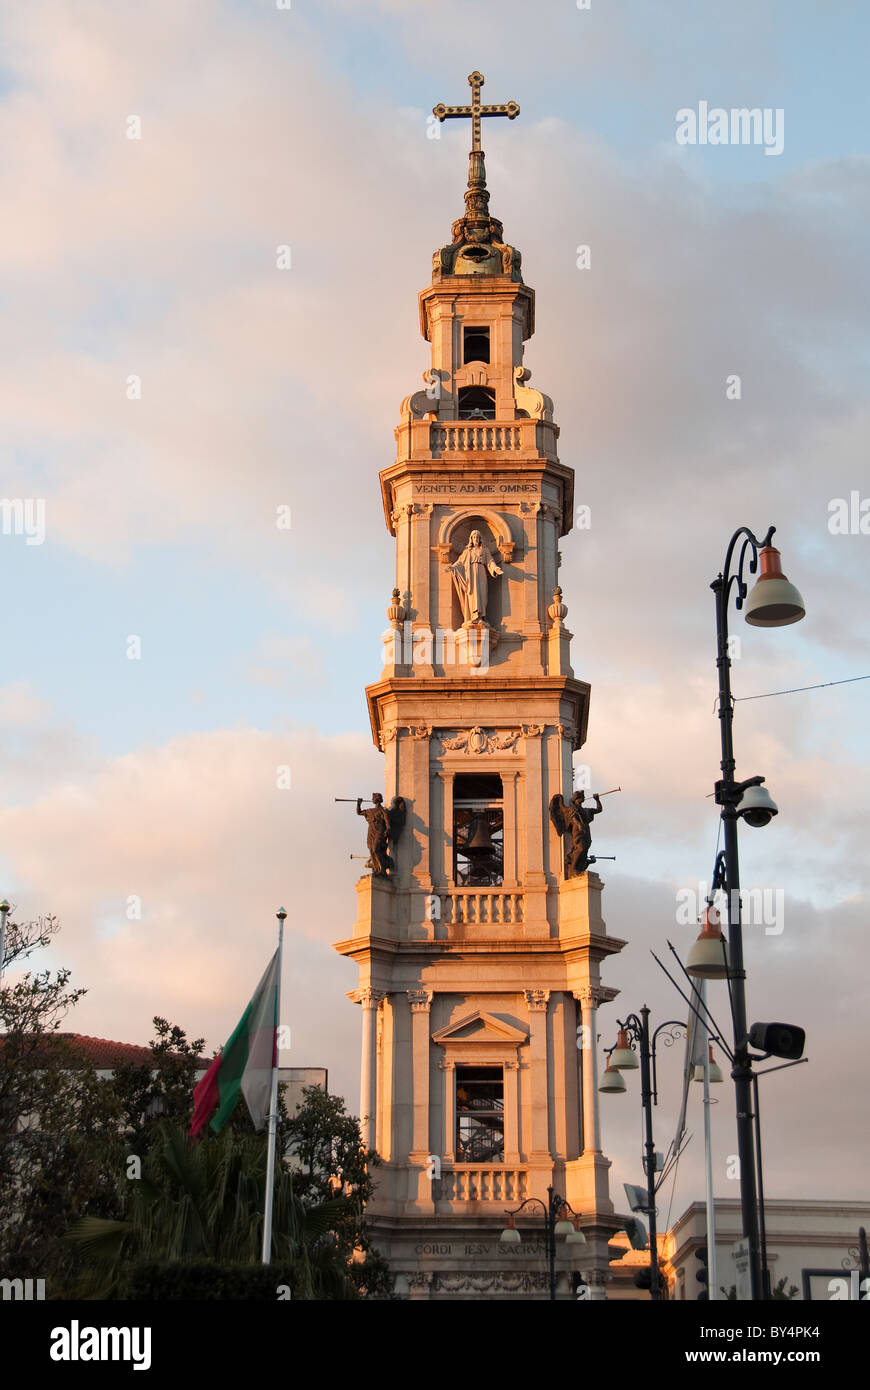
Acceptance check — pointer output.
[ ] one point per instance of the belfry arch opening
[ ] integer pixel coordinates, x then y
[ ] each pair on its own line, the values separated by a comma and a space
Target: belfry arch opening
476, 403
475, 345
478, 830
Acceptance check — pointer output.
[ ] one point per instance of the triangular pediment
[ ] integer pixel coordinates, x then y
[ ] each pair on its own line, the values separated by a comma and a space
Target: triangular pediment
481, 1027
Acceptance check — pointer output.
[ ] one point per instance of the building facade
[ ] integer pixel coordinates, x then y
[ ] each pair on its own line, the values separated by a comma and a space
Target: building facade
812, 1245
479, 934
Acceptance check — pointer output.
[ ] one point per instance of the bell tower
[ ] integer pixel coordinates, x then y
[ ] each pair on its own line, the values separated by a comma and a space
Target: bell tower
479, 934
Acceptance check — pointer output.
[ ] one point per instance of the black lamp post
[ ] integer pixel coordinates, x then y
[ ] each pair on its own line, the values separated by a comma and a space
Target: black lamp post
556, 1222
634, 1031
773, 602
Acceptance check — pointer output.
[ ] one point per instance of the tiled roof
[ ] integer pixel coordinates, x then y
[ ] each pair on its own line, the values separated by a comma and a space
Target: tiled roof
104, 1054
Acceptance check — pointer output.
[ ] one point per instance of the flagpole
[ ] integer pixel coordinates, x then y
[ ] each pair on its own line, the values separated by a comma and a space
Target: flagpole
273, 1111
712, 1261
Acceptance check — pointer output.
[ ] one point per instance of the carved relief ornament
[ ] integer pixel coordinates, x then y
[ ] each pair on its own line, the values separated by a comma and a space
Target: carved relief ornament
478, 740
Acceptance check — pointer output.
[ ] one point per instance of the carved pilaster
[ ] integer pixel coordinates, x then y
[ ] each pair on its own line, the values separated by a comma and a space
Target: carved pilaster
420, 1001
536, 1002
448, 1067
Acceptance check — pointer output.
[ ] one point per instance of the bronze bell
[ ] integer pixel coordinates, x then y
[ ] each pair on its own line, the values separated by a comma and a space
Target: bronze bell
480, 844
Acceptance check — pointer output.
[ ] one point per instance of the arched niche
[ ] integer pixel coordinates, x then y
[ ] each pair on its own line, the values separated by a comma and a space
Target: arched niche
496, 530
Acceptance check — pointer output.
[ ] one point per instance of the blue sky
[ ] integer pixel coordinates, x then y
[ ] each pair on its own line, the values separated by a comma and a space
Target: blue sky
261, 388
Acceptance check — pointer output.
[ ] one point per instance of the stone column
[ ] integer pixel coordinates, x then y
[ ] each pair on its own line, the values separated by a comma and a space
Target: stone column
368, 1087
536, 1001
589, 1000
421, 1002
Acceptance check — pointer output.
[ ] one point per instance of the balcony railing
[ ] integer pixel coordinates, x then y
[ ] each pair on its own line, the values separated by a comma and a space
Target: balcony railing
484, 1184
482, 907
519, 439
479, 437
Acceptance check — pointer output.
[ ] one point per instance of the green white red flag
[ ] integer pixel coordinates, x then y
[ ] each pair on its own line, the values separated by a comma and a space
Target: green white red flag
244, 1065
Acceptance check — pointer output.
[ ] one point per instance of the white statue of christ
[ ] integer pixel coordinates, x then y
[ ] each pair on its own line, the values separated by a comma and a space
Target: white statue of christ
469, 576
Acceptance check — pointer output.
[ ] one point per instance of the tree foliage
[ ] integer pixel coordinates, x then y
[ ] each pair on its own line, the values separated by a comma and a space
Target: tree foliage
204, 1201
328, 1154
111, 1158
54, 1116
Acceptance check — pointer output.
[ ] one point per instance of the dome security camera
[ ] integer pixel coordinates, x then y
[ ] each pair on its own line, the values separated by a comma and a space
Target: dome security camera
757, 806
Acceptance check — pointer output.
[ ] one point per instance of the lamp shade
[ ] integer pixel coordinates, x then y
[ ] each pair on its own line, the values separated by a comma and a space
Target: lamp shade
623, 1057
715, 1070
611, 1080
773, 601
510, 1235
576, 1237
708, 958
564, 1226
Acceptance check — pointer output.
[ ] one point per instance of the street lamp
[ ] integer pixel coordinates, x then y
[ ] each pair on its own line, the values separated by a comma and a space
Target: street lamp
714, 1070
708, 957
557, 1222
773, 602
611, 1079
623, 1057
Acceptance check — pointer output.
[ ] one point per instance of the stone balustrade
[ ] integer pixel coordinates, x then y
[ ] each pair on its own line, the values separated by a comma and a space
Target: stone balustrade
493, 1183
478, 438
482, 907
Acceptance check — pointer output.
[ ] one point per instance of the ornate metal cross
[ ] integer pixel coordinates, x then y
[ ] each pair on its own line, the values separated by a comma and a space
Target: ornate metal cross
475, 110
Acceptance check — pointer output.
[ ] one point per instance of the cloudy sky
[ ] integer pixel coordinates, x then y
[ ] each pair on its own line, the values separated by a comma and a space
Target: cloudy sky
154, 258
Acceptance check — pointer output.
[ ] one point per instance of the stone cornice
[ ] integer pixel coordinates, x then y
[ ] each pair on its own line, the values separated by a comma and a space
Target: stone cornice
463, 463
572, 950
421, 692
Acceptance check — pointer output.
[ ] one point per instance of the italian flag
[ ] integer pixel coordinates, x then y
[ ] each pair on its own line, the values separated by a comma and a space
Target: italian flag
244, 1064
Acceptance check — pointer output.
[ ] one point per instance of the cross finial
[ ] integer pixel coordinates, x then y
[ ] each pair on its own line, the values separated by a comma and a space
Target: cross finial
475, 110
